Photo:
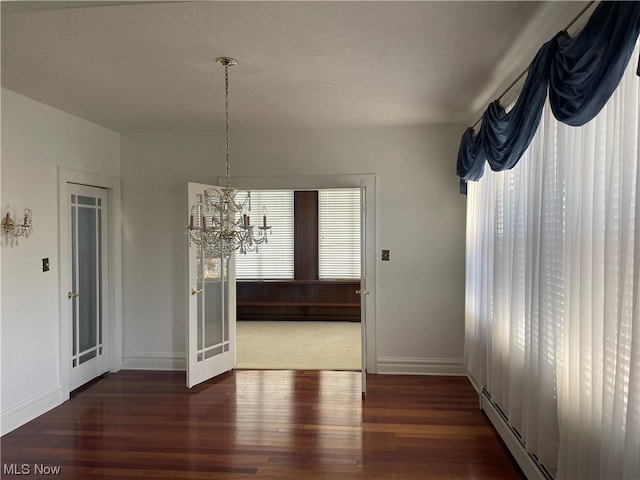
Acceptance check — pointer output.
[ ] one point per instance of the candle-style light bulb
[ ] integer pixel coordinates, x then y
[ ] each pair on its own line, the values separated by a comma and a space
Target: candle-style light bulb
245, 215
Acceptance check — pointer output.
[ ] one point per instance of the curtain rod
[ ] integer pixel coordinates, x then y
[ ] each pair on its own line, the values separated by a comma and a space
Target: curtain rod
524, 72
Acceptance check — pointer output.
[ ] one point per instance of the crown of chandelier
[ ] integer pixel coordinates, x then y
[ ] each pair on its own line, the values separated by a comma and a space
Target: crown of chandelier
220, 221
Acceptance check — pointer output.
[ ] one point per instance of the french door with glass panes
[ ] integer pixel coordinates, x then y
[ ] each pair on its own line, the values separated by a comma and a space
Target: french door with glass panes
211, 326
87, 285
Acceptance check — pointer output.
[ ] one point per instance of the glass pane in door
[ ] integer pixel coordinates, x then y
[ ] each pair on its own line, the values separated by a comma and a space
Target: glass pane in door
86, 279
225, 310
213, 307
99, 260
200, 296
88, 282
88, 267
74, 282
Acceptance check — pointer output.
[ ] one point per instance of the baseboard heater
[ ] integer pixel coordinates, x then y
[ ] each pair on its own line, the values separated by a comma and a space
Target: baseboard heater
527, 462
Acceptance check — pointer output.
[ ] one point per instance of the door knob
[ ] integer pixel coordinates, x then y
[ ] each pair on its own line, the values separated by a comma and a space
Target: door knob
362, 292
72, 295
195, 291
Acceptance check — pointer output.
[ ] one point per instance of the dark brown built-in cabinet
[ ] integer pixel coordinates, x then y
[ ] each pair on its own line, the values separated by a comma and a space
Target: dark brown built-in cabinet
298, 300
305, 297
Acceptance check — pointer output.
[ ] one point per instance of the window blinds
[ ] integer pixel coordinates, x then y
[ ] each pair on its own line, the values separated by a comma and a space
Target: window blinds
273, 260
339, 233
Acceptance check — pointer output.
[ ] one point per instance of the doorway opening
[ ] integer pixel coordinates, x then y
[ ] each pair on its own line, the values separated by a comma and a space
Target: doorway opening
199, 369
304, 324
297, 297
89, 277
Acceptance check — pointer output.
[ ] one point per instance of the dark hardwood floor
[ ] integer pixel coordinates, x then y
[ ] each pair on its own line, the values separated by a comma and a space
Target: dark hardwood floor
272, 425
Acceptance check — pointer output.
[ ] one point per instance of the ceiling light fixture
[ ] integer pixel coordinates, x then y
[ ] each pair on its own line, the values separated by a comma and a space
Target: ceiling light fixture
220, 221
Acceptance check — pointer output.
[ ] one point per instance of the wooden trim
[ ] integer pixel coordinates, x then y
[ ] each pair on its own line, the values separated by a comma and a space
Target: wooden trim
296, 304
305, 207
300, 282
302, 300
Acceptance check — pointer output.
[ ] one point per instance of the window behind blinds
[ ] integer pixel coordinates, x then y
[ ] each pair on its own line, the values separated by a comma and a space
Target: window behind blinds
273, 260
339, 233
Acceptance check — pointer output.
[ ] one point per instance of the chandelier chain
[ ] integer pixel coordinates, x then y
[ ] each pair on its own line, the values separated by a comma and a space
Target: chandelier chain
226, 118
220, 220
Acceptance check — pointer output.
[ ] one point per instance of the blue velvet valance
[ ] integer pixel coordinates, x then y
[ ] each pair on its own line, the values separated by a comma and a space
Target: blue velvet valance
579, 73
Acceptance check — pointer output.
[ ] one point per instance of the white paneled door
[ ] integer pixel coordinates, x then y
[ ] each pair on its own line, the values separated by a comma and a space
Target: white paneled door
87, 283
211, 332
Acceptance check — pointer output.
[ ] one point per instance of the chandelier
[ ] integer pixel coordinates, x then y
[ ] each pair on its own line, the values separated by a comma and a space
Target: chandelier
220, 220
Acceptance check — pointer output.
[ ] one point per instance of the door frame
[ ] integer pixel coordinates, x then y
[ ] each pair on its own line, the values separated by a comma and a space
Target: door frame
114, 269
302, 182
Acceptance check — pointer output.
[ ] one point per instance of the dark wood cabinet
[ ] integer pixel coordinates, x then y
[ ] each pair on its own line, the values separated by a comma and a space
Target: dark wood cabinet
298, 300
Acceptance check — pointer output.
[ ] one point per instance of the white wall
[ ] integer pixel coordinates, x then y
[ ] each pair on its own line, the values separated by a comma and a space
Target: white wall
36, 139
421, 219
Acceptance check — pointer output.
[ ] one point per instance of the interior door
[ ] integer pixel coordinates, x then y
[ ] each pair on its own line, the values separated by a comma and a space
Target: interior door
87, 287
211, 331
364, 293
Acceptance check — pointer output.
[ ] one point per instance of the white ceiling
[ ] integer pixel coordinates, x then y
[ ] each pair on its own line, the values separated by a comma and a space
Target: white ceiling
149, 66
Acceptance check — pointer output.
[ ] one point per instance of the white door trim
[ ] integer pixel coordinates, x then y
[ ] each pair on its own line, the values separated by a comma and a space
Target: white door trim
114, 297
369, 180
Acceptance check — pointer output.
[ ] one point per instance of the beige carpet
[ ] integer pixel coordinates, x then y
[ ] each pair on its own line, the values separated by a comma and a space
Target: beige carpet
289, 345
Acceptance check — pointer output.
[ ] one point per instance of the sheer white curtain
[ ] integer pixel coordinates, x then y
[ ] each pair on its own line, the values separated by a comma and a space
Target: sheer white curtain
553, 291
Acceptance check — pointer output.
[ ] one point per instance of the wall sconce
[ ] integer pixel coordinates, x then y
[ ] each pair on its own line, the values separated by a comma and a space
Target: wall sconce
12, 230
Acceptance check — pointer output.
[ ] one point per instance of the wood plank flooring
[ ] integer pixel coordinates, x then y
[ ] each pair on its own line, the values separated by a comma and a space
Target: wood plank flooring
283, 425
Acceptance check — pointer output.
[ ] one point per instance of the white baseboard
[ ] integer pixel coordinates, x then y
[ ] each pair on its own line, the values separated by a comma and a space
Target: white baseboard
388, 365
527, 463
30, 408
421, 366
154, 361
